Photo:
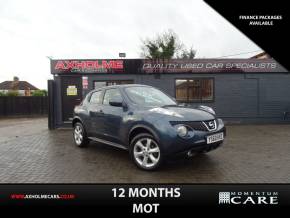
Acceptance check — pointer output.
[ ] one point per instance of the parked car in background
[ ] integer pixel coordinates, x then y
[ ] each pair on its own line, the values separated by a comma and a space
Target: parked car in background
146, 122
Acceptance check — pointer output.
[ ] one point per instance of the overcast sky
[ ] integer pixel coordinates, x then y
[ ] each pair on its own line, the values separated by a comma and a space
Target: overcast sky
31, 30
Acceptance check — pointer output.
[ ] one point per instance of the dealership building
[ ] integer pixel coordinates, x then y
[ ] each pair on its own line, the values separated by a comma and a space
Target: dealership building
239, 90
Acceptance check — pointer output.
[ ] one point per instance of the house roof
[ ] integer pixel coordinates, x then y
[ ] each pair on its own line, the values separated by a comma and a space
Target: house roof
17, 85
262, 55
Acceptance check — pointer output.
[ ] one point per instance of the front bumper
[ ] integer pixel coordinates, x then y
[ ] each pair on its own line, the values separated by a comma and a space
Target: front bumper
197, 143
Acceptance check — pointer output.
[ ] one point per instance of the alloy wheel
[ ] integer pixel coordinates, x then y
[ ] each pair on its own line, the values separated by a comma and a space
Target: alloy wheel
78, 134
146, 153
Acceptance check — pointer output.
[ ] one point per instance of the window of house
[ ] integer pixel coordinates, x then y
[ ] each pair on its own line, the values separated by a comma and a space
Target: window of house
100, 84
194, 90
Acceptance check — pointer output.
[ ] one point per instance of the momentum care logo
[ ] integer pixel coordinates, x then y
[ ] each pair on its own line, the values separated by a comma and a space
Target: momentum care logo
248, 198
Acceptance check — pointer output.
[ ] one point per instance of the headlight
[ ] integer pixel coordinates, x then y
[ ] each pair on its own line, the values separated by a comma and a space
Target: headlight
181, 130
207, 109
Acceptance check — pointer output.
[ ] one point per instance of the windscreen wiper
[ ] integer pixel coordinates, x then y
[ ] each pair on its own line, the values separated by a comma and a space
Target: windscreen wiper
169, 105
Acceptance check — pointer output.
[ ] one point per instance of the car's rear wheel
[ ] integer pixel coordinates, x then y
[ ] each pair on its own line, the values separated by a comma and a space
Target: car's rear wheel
146, 152
80, 136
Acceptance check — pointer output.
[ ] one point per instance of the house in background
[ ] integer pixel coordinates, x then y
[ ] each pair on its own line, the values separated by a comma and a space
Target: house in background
23, 88
262, 55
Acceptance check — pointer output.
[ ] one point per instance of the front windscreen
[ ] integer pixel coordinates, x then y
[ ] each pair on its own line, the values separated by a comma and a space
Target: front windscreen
148, 96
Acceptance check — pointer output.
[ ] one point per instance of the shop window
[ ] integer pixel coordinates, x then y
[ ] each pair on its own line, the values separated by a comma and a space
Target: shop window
100, 84
194, 90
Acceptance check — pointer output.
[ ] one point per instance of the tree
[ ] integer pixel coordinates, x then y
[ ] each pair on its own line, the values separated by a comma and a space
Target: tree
12, 93
39, 93
187, 54
165, 46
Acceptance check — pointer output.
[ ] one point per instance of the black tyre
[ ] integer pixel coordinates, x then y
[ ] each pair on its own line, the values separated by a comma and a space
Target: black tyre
79, 135
146, 152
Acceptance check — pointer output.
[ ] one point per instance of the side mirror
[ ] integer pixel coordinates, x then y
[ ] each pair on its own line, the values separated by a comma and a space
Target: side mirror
116, 102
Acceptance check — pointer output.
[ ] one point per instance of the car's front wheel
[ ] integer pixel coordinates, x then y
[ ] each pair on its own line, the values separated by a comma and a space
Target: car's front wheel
80, 137
146, 152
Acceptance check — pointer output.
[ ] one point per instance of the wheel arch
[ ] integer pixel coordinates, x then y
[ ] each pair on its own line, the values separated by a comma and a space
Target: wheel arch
141, 128
77, 119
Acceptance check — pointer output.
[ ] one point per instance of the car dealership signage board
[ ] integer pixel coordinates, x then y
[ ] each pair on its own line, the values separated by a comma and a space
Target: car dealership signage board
85, 82
71, 91
141, 66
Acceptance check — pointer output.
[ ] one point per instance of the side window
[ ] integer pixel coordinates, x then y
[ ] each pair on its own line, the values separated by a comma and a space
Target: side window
96, 98
112, 94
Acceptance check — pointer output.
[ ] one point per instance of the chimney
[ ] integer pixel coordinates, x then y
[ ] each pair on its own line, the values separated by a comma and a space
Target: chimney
15, 83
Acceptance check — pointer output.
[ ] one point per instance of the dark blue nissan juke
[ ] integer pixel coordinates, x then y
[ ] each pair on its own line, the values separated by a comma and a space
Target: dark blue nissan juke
147, 122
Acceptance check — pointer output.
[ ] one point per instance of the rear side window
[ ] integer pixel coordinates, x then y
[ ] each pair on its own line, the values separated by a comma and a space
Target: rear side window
96, 98
112, 94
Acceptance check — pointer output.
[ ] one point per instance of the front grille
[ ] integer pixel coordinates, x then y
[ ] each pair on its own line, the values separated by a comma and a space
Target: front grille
196, 125
211, 125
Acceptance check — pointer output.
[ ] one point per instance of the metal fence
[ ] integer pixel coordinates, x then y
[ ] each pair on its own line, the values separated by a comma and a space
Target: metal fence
23, 105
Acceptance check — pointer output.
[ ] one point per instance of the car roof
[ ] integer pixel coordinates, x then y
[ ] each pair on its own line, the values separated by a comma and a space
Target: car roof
120, 86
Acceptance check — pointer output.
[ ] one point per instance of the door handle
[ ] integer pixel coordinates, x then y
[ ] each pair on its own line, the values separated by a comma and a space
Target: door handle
96, 112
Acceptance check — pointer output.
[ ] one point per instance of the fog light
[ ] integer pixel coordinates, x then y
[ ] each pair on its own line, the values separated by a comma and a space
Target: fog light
181, 131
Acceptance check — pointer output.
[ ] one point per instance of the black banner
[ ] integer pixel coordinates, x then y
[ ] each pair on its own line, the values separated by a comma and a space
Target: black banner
264, 22
147, 66
147, 198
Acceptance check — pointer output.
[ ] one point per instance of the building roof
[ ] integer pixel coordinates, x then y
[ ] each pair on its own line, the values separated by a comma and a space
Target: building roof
17, 85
